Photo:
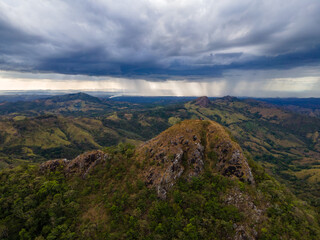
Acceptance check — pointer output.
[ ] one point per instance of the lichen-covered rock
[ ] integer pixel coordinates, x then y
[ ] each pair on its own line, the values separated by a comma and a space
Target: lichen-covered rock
182, 150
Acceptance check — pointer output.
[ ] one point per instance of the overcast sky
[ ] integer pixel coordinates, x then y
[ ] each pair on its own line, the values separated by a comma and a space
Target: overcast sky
158, 47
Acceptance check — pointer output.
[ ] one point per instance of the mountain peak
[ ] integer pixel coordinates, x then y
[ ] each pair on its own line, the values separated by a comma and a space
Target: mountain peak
202, 101
183, 151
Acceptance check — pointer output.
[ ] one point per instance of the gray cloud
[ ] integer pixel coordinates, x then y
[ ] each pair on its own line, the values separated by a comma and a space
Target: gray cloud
158, 39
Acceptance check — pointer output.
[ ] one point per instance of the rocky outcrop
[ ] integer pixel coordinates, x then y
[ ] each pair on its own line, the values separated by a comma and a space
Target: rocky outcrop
81, 165
172, 157
181, 151
53, 165
230, 159
202, 101
84, 163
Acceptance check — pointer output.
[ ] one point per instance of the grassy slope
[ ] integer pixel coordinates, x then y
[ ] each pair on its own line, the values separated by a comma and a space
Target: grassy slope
49, 137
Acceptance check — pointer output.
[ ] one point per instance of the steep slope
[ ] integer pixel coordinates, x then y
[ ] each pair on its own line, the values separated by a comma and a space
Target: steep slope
108, 195
181, 150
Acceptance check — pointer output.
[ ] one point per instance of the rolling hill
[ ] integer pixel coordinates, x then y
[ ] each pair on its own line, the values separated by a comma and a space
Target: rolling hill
67, 105
47, 137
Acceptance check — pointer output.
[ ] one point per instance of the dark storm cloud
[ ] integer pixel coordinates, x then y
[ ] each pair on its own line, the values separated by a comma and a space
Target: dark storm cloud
158, 39
16, 47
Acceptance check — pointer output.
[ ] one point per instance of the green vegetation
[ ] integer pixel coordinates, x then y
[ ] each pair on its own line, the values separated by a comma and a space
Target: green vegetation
49, 137
114, 203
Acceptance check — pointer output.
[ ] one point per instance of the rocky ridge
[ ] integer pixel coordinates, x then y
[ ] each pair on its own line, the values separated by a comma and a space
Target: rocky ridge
182, 151
81, 165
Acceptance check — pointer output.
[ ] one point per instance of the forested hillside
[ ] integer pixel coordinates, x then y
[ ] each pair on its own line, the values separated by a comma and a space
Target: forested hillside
212, 191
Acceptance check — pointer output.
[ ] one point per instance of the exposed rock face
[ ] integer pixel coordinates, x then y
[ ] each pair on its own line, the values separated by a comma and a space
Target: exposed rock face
202, 101
172, 157
53, 165
231, 161
182, 149
84, 163
81, 165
